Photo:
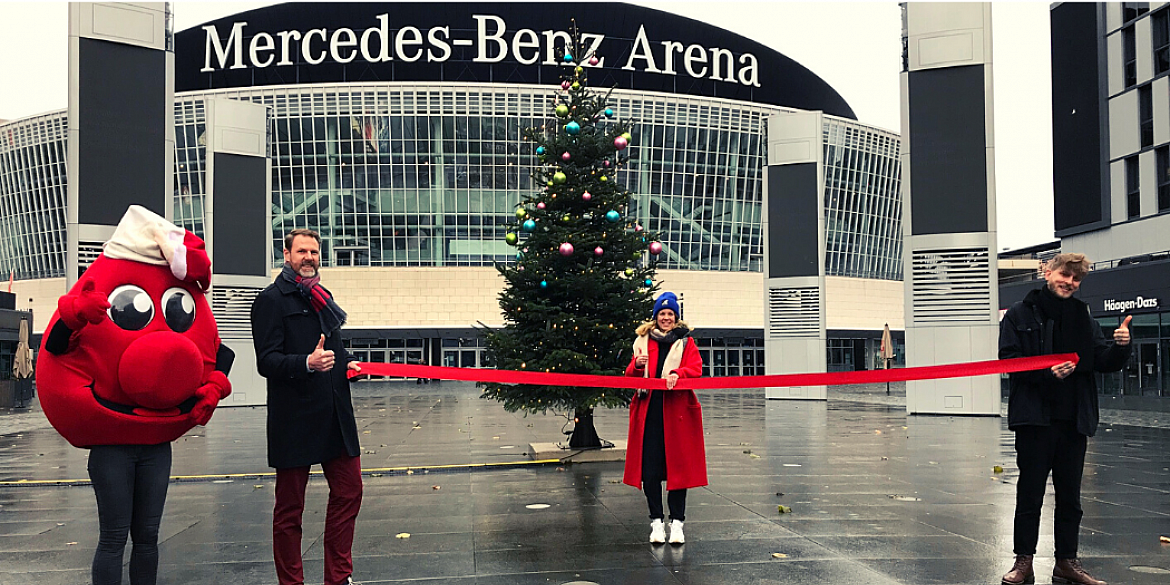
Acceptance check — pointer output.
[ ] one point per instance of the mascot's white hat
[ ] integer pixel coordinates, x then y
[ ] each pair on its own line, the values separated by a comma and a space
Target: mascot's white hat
144, 236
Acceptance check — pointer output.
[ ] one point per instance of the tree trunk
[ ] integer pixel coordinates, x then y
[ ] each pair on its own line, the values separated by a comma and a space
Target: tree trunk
584, 433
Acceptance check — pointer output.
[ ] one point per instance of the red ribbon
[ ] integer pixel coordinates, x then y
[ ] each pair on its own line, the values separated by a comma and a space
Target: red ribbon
963, 370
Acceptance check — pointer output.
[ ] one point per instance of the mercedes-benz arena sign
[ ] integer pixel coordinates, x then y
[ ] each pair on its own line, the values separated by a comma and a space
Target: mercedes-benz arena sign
637, 48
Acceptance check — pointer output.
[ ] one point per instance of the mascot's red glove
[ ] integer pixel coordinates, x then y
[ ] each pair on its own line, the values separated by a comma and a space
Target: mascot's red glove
77, 309
209, 394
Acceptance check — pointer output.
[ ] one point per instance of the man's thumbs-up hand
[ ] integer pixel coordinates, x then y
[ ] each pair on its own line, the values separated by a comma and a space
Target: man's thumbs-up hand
321, 360
1121, 334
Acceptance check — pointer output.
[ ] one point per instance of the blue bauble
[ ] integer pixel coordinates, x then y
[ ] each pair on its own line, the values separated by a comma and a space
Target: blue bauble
568, 58
539, 150
528, 225
544, 284
649, 282
612, 216
572, 128
609, 112
519, 255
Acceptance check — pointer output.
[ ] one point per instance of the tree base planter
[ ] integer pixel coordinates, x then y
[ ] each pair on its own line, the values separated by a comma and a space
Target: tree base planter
564, 454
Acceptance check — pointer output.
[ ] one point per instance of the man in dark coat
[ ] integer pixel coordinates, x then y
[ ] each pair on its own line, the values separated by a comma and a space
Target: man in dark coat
1053, 412
296, 328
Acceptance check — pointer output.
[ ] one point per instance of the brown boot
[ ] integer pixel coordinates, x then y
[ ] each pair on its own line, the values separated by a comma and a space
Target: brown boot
1021, 572
1071, 571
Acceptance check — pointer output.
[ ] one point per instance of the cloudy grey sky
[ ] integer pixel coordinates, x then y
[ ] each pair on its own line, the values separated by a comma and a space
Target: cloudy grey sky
854, 46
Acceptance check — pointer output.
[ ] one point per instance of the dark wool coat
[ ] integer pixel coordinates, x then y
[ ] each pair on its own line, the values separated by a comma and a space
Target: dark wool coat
303, 406
1024, 332
682, 421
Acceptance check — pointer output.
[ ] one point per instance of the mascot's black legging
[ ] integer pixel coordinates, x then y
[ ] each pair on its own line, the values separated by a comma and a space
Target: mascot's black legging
130, 482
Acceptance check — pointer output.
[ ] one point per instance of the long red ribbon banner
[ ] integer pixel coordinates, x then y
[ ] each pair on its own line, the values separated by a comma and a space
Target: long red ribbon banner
963, 370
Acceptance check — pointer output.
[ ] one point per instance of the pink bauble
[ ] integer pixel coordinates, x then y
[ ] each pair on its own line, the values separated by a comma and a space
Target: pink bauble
605, 163
594, 60
540, 205
620, 143
598, 251
566, 156
655, 248
565, 84
586, 196
566, 249
638, 228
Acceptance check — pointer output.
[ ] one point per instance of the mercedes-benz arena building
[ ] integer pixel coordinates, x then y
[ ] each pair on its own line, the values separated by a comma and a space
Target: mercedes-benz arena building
396, 134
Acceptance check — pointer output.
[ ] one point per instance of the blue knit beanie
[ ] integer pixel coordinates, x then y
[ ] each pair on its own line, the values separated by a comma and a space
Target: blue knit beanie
667, 300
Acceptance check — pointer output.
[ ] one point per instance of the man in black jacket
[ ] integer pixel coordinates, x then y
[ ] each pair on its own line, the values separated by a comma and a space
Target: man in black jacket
296, 329
1053, 412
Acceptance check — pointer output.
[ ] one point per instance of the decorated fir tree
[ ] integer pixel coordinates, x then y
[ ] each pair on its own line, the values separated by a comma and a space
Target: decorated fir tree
583, 279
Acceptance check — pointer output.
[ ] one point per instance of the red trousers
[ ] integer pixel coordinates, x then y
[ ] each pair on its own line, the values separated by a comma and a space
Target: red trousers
344, 475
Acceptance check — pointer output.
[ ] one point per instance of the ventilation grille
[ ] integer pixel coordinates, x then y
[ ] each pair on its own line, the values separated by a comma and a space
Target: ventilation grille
232, 307
949, 286
794, 312
87, 252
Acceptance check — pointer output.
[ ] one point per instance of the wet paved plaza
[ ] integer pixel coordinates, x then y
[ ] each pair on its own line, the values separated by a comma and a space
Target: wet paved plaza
876, 497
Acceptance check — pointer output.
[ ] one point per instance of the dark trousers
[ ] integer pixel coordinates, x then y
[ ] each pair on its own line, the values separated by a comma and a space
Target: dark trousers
344, 475
675, 499
1058, 449
130, 482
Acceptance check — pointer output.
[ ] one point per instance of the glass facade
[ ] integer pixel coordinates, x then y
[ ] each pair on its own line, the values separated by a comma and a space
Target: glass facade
430, 174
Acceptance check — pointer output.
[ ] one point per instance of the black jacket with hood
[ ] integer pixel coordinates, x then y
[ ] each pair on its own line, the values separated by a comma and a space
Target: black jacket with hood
1025, 332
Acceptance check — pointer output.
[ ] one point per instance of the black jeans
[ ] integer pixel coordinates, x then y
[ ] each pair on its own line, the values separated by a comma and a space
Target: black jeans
130, 482
1058, 449
675, 499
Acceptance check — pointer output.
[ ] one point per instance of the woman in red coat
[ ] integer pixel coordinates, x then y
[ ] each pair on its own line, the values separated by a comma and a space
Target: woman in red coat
666, 426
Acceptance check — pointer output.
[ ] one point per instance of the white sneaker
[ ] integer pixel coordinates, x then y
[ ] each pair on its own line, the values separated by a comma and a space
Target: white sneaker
657, 532
676, 533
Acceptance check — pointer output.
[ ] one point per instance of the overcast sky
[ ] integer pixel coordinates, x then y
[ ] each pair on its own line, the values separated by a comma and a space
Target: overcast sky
855, 47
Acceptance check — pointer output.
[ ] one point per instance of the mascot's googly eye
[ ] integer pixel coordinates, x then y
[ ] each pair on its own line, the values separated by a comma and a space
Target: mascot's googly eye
130, 307
178, 309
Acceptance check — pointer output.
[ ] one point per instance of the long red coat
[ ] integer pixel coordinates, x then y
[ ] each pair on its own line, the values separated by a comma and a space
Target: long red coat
682, 421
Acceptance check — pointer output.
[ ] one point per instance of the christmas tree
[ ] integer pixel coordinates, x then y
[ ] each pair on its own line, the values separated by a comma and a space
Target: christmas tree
583, 279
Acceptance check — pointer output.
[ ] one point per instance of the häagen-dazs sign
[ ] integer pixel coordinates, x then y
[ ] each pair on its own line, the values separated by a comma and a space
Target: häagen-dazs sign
1131, 304
491, 43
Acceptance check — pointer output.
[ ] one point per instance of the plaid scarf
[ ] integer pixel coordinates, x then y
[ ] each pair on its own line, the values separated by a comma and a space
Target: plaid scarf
332, 317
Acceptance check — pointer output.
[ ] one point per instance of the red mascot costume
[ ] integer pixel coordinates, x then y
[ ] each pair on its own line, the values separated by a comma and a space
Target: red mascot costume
131, 361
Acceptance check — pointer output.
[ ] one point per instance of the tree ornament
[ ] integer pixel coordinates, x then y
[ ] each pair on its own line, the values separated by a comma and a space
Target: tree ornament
565, 84
576, 85
649, 282
579, 69
565, 156
612, 216
539, 151
637, 255
609, 112
521, 212
528, 225
511, 238
655, 248
598, 251
540, 205
620, 143
520, 256
566, 218
638, 227
629, 137
568, 57
550, 183
562, 111
559, 178
629, 272
544, 284
603, 179
605, 163
572, 128
594, 60
566, 249
586, 196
